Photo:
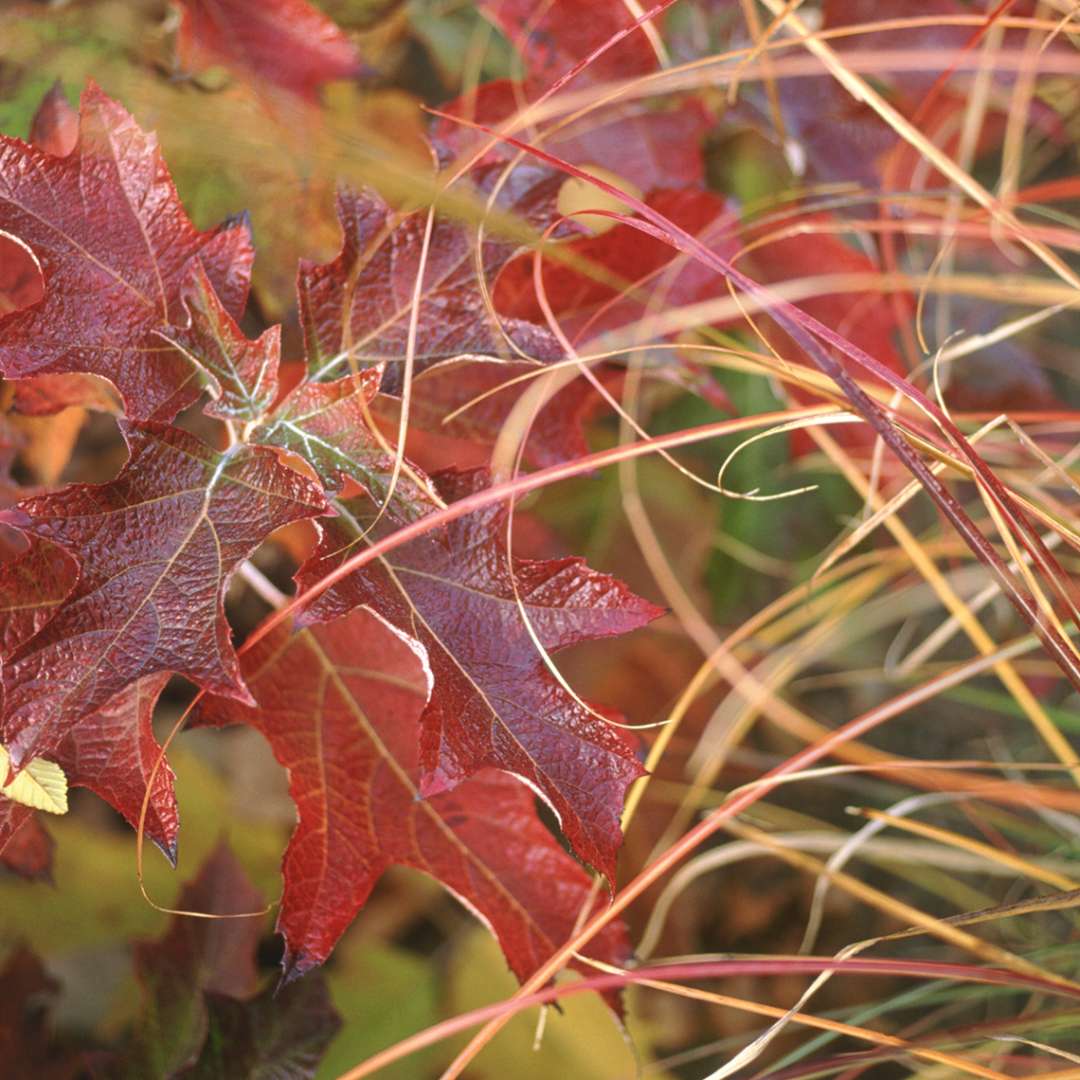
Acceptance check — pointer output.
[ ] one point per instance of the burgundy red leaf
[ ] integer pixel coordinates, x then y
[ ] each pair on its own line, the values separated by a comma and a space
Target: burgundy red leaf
495, 704
115, 249
21, 285
485, 391
339, 704
356, 309
54, 129
157, 547
112, 753
330, 425
33, 585
243, 373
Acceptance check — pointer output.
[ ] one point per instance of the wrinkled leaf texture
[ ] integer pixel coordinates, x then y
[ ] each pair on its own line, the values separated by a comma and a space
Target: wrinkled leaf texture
243, 373
129, 577
112, 751
156, 548
494, 703
459, 408
355, 310
115, 249
330, 426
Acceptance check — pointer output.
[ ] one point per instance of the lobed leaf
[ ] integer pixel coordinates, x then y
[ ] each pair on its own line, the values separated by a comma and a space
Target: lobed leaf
112, 753
330, 426
157, 547
355, 310
243, 373
458, 409
339, 704
115, 248
54, 129
494, 703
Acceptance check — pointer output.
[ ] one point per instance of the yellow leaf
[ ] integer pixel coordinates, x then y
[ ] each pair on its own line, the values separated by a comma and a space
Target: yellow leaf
41, 785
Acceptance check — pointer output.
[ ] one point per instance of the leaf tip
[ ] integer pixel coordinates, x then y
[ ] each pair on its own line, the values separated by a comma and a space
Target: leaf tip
170, 849
655, 611
240, 220
294, 965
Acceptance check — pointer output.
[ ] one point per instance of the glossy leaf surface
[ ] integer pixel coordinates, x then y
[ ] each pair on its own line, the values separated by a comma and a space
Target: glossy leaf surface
115, 248
494, 703
157, 546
